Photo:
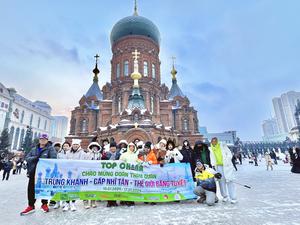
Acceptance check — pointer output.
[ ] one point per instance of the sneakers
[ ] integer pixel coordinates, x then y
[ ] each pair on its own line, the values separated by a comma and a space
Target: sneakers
93, 204
233, 201
111, 204
45, 208
28, 210
216, 200
225, 199
57, 205
66, 207
73, 207
86, 204
201, 199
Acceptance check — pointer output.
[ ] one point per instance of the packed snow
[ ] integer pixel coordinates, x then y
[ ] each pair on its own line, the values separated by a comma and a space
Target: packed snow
273, 199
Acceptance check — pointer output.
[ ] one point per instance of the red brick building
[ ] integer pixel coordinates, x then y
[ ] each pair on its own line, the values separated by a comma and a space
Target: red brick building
146, 112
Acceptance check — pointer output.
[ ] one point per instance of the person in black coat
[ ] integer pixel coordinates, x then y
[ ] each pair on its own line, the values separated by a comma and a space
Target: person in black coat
7, 166
273, 156
187, 153
295, 159
43, 150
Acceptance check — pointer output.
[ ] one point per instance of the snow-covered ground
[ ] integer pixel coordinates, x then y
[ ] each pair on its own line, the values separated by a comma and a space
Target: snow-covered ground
273, 199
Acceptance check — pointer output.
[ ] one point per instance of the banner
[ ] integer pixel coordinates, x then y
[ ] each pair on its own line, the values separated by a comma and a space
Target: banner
59, 179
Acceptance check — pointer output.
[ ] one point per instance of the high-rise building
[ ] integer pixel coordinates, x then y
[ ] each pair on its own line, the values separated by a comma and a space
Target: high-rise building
270, 127
280, 116
284, 108
59, 128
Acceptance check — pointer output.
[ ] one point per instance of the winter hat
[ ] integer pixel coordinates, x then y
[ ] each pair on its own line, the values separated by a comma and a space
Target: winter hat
123, 142
93, 144
199, 163
76, 141
140, 143
57, 144
131, 144
44, 136
163, 141
105, 140
148, 144
113, 144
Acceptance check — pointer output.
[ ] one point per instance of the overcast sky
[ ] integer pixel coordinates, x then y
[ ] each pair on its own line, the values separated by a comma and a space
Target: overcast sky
233, 56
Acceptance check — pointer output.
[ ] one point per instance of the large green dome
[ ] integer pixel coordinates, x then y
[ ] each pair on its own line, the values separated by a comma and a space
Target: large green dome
134, 25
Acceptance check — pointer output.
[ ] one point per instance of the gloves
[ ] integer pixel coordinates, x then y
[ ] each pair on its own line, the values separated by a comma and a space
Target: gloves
218, 175
145, 164
35, 159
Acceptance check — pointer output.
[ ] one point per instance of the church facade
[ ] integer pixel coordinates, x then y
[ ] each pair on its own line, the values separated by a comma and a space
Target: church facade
134, 104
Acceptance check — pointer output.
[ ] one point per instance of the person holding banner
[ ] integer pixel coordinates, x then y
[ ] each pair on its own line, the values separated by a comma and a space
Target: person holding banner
92, 153
76, 152
220, 156
161, 152
130, 156
42, 150
122, 146
113, 154
173, 155
148, 155
62, 154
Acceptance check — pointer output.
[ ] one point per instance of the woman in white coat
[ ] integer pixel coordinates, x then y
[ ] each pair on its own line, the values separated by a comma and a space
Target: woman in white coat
75, 153
220, 156
173, 155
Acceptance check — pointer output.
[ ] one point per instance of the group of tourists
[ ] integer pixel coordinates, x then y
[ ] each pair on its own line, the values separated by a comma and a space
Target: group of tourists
14, 164
209, 165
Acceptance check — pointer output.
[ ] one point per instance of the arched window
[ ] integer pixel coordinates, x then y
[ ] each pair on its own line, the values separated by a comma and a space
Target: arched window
126, 68
185, 124
21, 138
31, 119
84, 125
118, 70
136, 117
16, 140
119, 104
22, 116
153, 71
151, 104
145, 69
11, 136
39, 122
45, 125
196, 125
73, 126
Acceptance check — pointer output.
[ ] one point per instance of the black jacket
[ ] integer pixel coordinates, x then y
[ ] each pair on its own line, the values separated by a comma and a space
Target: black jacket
295, 158
196, 156
186, 152
34, 155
